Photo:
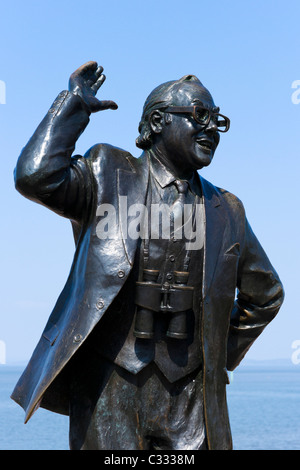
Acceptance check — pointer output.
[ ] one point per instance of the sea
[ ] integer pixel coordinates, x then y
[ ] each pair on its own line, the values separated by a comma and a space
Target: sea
263, 400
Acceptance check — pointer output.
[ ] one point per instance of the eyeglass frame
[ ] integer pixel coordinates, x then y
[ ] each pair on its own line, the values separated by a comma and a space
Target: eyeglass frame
192, 110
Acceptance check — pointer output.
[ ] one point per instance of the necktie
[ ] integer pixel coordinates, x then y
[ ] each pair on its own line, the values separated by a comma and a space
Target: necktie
178, 207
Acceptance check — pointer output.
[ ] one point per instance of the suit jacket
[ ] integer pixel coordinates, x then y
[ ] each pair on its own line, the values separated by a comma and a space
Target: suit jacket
74, 187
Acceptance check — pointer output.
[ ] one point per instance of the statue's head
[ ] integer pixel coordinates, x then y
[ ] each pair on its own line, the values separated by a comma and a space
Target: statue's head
181, 121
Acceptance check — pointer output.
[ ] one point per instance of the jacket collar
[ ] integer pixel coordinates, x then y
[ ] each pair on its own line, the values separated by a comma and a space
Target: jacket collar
165, 177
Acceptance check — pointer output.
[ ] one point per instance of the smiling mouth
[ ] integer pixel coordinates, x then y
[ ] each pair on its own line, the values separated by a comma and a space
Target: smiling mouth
206, 145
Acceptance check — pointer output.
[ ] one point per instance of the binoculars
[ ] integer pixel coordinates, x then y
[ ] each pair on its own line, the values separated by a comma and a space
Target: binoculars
172, 299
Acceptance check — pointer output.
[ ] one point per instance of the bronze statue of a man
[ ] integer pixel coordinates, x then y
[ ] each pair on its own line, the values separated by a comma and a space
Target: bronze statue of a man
137, 348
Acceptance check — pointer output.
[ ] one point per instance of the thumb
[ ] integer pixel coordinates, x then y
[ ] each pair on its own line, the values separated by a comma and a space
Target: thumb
98, 105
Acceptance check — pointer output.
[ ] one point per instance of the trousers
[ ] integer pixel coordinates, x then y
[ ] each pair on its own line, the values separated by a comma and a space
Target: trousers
113, 409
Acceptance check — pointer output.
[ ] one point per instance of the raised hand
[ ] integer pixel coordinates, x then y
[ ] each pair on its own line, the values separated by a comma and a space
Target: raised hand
85, 82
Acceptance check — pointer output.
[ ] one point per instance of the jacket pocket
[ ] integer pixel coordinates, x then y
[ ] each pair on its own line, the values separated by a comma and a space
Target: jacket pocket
229, 273
233, 250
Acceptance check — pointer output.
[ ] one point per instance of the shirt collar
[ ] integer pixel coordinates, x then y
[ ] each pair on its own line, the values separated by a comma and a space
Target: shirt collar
164, 177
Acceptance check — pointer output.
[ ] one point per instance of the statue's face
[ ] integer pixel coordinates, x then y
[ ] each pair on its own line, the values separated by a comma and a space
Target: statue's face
187, 144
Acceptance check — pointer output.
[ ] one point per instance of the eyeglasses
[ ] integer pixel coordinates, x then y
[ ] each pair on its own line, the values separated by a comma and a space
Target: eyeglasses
202, 116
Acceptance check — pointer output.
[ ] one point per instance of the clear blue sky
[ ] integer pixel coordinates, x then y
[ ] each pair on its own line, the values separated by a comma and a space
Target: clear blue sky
245, 52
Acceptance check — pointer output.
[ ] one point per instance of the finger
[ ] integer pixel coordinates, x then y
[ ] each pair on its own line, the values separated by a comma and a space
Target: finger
108, 104
90, 67
99, 71
95, 76
97, 105
98, 83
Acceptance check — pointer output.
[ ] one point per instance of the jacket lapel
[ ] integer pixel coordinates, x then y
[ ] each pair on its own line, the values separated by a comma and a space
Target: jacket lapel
132, 191
214, 230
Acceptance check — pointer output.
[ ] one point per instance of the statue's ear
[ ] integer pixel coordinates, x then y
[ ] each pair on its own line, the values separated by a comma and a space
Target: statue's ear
156, 121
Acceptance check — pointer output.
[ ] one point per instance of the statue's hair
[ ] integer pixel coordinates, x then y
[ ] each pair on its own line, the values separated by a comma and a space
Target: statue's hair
161, 97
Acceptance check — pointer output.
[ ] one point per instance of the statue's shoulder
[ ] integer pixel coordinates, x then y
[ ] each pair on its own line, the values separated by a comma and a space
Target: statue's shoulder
231, 198
228, 199
107, 151
105, 157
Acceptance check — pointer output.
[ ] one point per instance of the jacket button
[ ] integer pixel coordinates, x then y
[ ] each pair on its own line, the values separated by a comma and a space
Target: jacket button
121, 273
100, 304
77, 338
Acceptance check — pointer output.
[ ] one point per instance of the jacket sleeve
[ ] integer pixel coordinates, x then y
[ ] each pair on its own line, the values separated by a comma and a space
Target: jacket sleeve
46, 172
260, 296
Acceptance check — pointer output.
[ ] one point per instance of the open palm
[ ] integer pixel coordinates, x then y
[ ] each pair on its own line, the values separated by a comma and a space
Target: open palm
85, 82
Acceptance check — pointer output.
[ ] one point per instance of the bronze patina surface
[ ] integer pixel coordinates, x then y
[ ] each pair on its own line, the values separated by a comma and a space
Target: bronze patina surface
169, 286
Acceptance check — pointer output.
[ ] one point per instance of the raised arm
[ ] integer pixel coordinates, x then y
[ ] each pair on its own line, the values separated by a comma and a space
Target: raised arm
46, 172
